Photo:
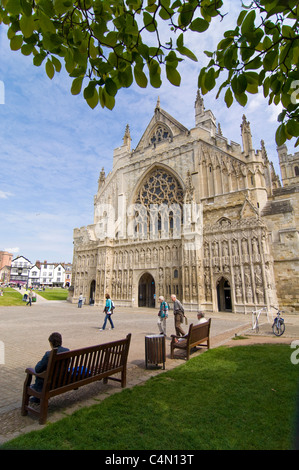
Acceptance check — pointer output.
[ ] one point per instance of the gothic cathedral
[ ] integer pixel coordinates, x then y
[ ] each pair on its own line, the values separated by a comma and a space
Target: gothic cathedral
189, 213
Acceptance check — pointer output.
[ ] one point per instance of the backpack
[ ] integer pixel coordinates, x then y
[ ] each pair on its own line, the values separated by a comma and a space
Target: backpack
112, 306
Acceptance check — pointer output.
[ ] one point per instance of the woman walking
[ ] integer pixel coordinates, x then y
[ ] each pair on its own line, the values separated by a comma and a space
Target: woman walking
108, 312
162, 316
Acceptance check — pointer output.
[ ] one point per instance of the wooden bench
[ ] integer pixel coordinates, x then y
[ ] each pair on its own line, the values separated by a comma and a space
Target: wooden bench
70, 370
197, 334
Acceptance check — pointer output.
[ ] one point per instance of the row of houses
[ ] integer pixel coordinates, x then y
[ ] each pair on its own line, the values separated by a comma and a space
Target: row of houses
22, 271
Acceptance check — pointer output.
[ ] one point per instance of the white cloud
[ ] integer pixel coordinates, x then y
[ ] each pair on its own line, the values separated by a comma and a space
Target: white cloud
12, 250
4, 194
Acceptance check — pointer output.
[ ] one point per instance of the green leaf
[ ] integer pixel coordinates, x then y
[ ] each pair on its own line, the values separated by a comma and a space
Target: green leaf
149, 22
241, 17
241, 98
27, 25
270, 61
140, 77
125, 77
165, 11
108, 100
173, 75
186, 15
16, 43
239, 84
280, 135
27, 49
56, 63
26, 7
62, 6
110, 87
248, 22
186, 52
93, 100
50, 71
200, 25
228, 98
210, 81
77, 86
155, 74
293, 127
39, 58
14, 7
45, 23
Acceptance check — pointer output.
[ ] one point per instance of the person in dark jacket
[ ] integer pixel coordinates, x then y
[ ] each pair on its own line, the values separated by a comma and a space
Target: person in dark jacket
178, 312
55, 340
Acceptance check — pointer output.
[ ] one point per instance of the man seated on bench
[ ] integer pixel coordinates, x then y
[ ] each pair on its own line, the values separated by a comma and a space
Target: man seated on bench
200, 319
55, 340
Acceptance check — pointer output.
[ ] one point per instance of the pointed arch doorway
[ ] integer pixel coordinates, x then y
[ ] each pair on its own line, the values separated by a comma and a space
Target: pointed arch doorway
146, 291
224, 297
92, 292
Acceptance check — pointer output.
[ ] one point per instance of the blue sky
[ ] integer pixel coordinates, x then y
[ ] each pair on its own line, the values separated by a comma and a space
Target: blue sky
53, 146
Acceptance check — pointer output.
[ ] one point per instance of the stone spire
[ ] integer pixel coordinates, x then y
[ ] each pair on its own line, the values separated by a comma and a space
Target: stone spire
127, 138
246, 135
199, 107
264, 151
102, 178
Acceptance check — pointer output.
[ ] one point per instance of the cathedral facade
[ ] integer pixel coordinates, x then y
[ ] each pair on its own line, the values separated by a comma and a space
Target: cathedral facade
189, 213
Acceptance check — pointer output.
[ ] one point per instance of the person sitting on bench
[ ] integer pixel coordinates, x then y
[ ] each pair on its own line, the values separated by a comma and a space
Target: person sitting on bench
55, 340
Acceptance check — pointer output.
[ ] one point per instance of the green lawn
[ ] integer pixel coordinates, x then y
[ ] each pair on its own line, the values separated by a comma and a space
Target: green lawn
11, 297
54, 294
227, 398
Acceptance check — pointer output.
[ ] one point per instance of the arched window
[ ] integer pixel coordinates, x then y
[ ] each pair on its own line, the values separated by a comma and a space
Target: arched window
296, 171
160, 133
160, 201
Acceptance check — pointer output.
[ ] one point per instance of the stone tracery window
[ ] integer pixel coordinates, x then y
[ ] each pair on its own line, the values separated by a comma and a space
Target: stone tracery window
159, 204
161, 133
160, 187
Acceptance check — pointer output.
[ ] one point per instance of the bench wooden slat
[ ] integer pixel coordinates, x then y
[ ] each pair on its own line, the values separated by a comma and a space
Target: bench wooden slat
197, 334
73, 369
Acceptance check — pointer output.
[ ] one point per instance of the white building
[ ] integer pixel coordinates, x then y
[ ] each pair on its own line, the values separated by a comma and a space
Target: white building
20, 268
34, 276
59, 276
46, 274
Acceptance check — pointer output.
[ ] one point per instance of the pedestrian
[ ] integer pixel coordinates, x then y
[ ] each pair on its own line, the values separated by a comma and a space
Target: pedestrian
108, 312
178, 312
30, 295
55, 340
80, 301
201, 318
162, 315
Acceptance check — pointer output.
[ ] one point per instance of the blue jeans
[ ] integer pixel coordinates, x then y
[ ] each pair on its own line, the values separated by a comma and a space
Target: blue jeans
108, 317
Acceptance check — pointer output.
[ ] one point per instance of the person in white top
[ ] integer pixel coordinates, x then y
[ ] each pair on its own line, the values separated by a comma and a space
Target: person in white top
201, 318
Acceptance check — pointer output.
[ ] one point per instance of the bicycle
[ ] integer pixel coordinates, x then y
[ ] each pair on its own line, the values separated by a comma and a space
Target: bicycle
255, 318
278, 326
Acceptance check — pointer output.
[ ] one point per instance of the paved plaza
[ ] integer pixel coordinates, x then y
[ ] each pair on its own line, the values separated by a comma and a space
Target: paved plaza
24, 335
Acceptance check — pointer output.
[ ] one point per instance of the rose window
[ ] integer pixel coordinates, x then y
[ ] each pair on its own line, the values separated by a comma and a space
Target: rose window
159, 204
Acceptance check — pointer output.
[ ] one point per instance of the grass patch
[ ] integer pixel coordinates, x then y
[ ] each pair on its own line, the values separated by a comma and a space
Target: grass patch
225, 399
54, 294
11, 297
